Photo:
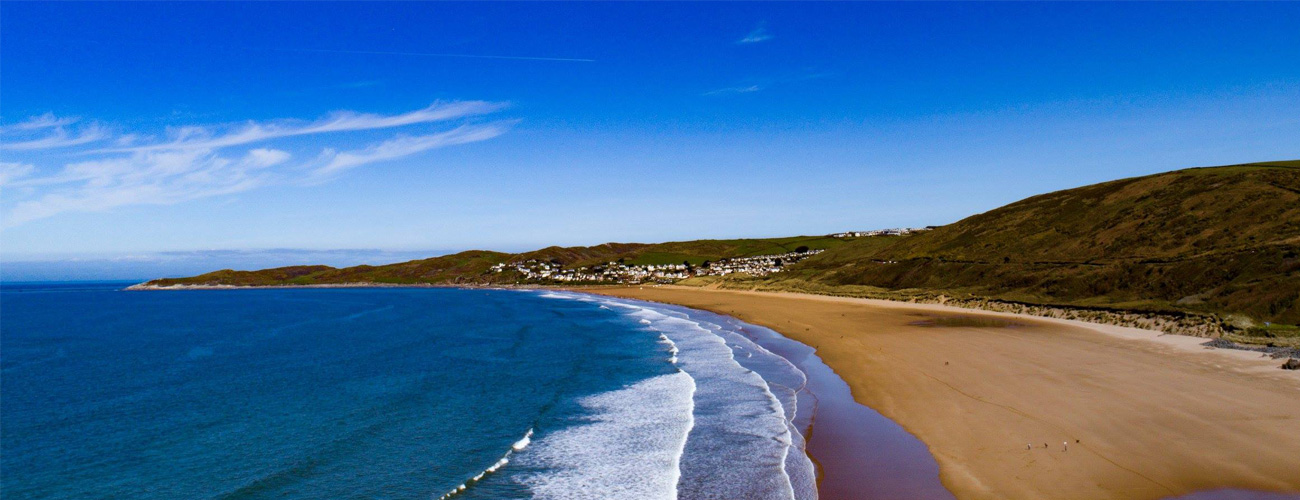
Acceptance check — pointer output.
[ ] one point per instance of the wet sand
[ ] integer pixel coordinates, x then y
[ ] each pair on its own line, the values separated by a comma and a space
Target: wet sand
1024, 407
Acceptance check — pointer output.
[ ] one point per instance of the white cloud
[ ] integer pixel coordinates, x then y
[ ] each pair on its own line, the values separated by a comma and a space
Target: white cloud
342, 121
267, 157
157, 178
405, 146
47, 120
11, 171
200, 161
58, 138
759, 34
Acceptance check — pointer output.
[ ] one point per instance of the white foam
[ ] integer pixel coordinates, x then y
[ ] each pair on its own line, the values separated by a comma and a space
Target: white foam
628, 447
742, 441
741, 444
523, 443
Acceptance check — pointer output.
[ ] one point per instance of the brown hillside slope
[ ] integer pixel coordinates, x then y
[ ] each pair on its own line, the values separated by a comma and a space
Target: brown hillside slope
1220, 239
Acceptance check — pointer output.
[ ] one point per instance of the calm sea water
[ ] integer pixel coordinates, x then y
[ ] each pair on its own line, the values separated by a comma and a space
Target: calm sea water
386, 393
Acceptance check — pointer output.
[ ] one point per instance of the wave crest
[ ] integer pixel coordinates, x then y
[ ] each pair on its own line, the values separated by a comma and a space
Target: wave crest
505, 459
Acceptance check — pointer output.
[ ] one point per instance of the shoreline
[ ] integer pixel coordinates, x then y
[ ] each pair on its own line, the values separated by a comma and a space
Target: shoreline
857, 452
1108, 474
741, 404
1145, 415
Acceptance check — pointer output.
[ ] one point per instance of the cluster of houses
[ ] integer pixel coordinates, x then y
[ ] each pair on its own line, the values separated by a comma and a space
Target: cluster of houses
618, 272
758, 265
537, 270
897, 231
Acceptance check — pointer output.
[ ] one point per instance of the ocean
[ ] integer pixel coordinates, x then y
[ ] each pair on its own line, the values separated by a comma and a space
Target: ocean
389, 393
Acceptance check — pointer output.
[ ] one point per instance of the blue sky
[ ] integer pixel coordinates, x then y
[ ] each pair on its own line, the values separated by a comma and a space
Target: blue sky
133, 130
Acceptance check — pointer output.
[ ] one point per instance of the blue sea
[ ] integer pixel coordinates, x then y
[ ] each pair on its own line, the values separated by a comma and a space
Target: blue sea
388, 393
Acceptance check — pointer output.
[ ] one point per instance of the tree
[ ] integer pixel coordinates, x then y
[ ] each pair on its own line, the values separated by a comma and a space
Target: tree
801, 249
705, 264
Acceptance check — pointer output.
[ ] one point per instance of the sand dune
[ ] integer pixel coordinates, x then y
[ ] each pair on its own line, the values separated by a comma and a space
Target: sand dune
1145, 416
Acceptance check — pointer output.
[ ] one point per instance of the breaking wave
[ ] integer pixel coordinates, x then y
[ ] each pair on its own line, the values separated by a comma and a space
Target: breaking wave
505, 459
742, 440
628, 447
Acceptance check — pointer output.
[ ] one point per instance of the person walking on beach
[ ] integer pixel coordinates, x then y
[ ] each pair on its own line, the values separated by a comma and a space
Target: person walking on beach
1065, 444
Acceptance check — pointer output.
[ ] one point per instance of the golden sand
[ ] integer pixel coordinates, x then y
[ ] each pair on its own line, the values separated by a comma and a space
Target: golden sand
1144, 416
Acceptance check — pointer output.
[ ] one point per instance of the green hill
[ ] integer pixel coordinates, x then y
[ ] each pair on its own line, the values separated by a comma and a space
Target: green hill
473, 267
1221, 239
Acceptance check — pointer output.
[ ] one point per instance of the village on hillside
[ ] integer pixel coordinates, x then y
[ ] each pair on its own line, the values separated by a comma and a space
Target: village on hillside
536, 270
620, 272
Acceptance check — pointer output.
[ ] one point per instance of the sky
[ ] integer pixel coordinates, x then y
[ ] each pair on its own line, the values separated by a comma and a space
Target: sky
146, 139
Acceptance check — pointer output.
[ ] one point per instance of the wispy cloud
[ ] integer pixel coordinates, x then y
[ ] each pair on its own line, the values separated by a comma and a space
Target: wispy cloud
204, 161
11, 171
148, 178
342, 121
404, 146
735, 90
761, 84
59, 137
758, 34
47, 120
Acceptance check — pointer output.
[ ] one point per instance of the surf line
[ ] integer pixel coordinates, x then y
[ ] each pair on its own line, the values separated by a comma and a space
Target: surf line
505, 459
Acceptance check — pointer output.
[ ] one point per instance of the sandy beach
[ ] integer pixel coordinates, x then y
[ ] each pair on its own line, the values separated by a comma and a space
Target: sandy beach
1026, 407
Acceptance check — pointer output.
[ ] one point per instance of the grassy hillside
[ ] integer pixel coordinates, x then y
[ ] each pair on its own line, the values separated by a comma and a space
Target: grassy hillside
449, 269
472, 267
1222, 239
